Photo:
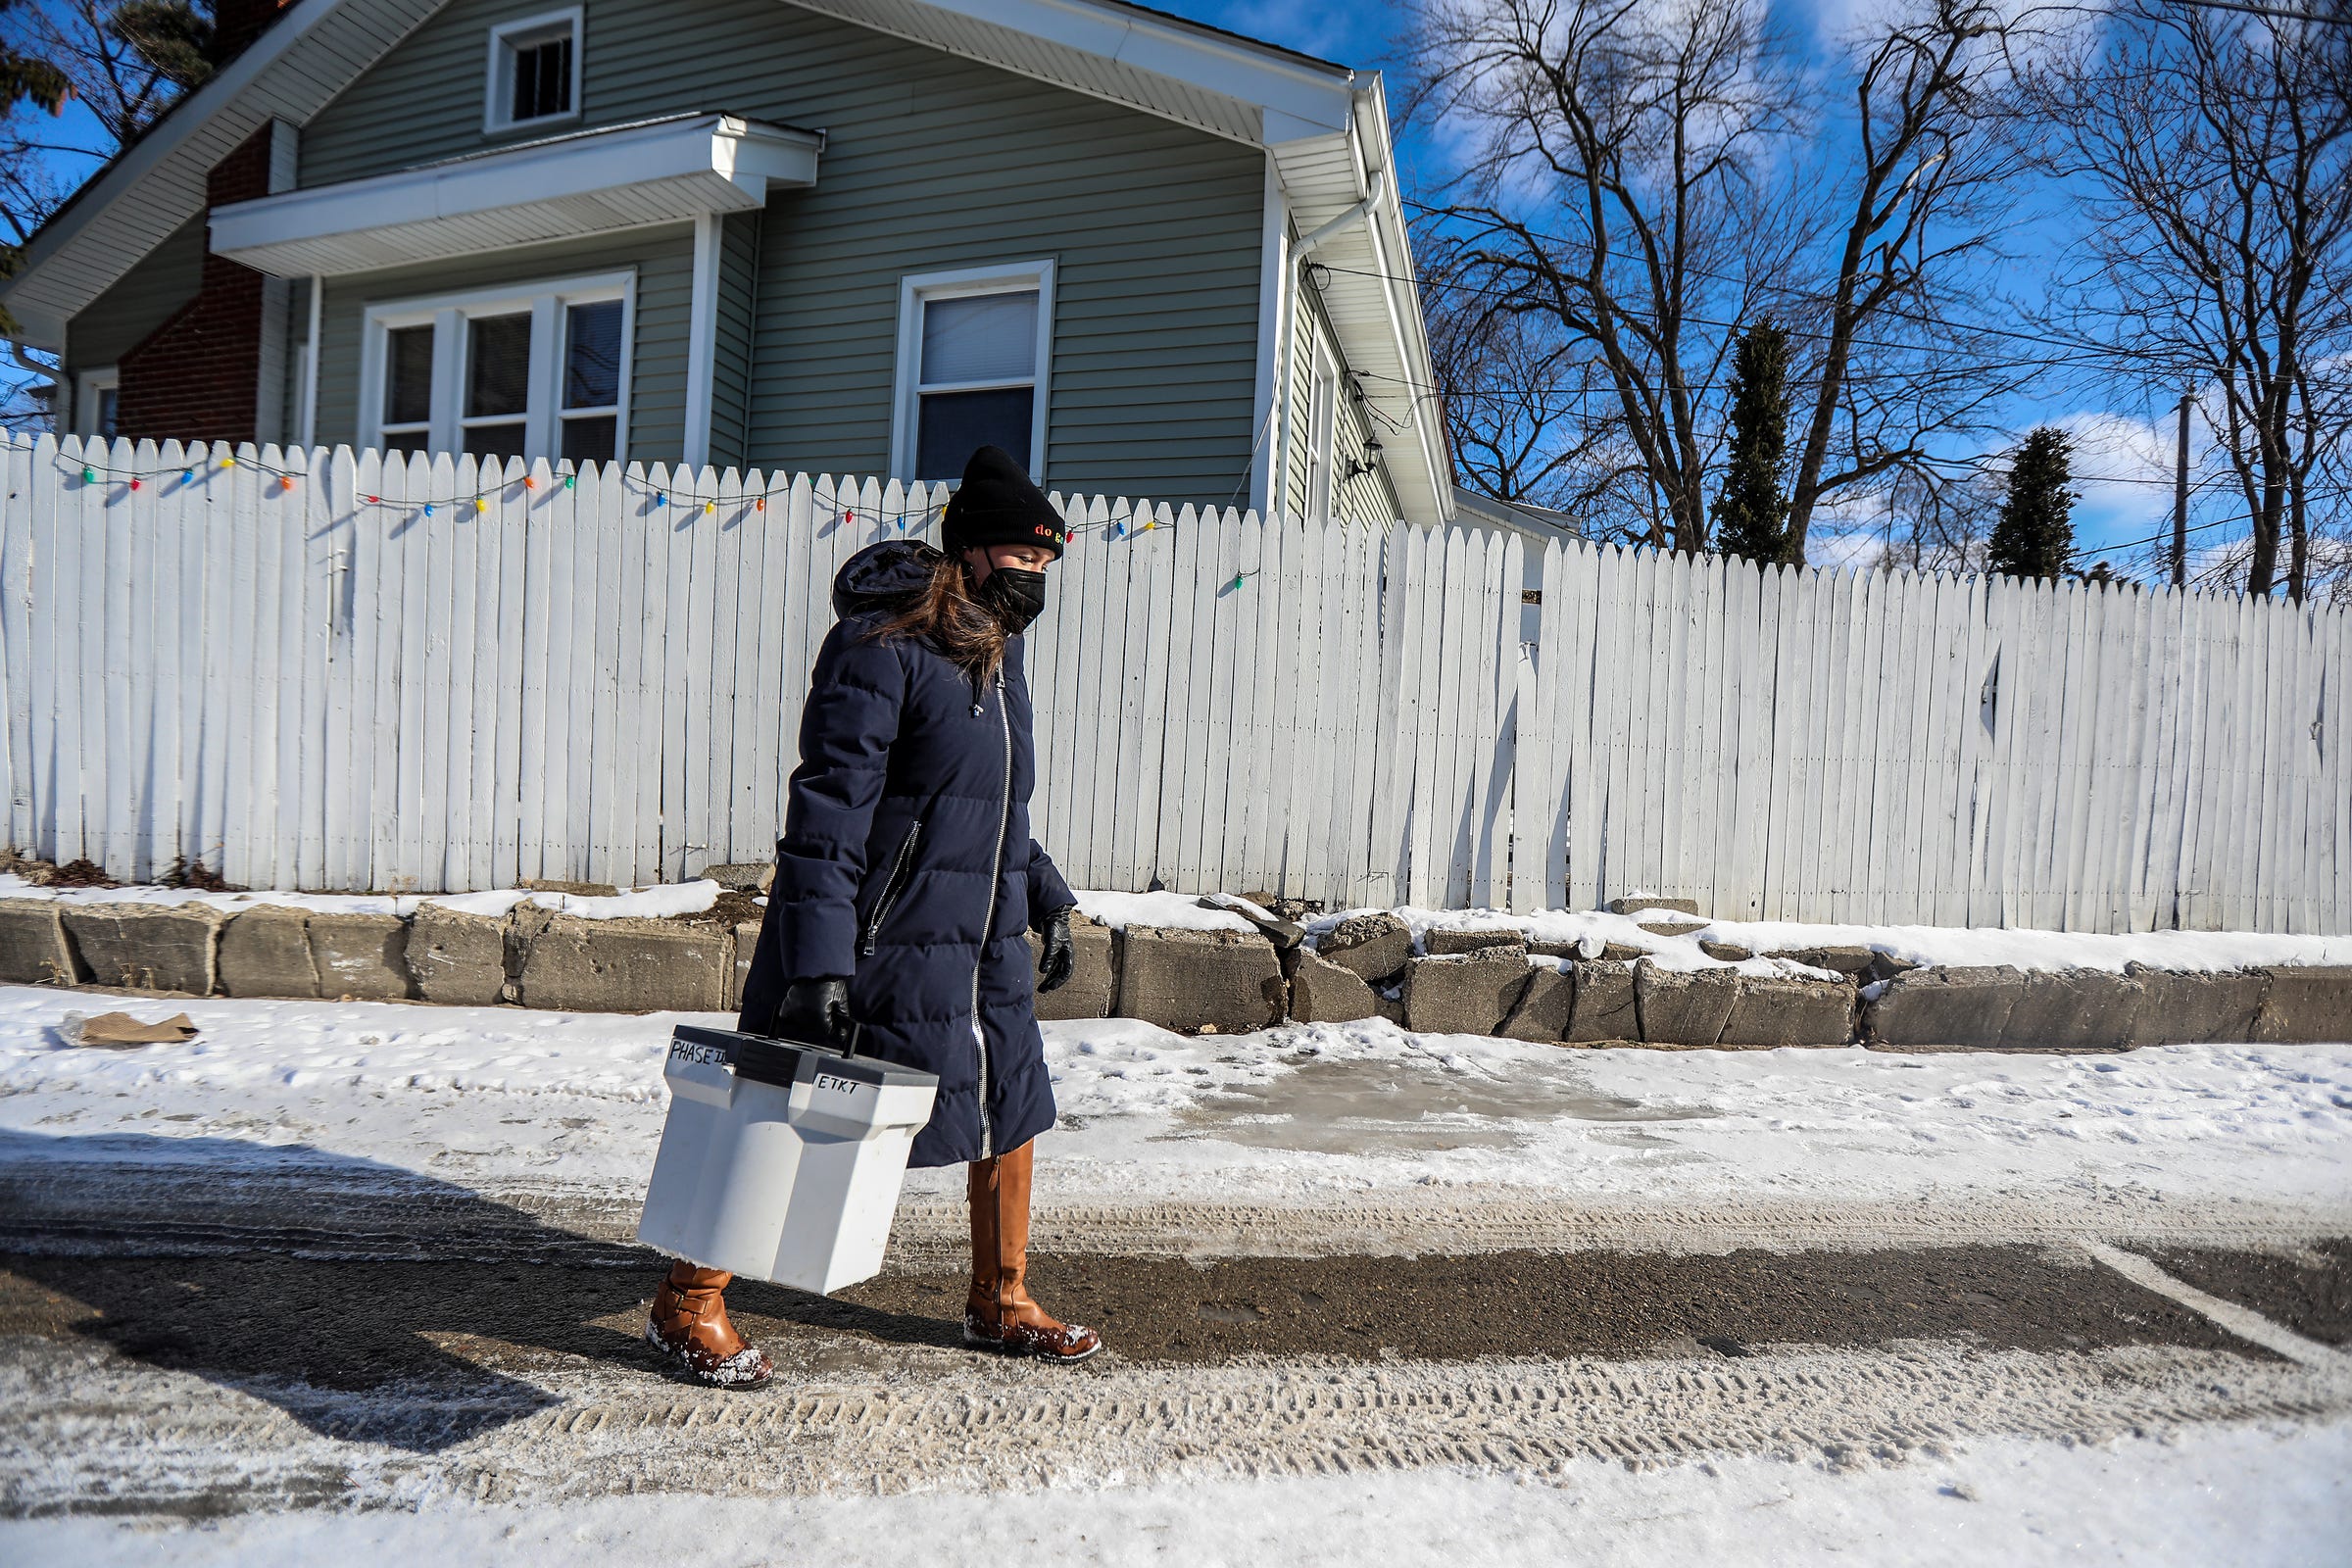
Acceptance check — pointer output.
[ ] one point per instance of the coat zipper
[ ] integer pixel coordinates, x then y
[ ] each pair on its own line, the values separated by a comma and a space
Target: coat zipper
988, 920
891, 888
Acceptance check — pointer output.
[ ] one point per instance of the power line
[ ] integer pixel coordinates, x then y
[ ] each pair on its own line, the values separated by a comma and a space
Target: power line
2062, 356
1982, 463
2155, 538
2082, 350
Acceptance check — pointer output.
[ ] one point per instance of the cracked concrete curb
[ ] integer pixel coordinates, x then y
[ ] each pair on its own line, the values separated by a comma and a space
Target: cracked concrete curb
1193, 981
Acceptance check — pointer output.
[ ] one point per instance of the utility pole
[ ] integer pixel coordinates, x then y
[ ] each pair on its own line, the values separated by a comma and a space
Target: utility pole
2180, 502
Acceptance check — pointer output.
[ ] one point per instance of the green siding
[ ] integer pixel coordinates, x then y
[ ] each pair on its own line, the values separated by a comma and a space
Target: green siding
1299, 370
142, 299
731, 359
664, 260
1369, 499
933, 162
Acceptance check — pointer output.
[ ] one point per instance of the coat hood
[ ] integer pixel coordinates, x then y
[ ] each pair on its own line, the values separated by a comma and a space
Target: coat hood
883, 576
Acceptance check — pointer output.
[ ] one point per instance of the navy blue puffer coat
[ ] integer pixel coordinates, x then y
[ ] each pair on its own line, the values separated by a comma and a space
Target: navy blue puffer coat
907, 864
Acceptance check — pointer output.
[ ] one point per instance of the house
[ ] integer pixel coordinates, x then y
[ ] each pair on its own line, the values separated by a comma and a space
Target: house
1541, 524
856, 236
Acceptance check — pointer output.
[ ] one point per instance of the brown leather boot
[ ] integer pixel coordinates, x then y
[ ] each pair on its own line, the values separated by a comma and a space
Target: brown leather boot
999, 1314
689, 1326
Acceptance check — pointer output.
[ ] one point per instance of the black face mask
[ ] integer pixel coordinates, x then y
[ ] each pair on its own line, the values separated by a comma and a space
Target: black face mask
1017, 597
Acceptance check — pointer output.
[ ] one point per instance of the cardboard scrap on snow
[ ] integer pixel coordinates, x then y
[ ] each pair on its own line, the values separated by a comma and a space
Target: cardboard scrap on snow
122, 1029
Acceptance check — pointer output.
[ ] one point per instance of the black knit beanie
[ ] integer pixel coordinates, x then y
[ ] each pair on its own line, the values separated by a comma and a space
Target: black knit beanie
997, 504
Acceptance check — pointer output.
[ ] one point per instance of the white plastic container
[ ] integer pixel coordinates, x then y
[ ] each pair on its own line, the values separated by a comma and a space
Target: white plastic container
781, 1160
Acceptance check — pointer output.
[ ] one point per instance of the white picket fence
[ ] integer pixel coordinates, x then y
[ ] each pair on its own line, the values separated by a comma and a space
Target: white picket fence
327, 685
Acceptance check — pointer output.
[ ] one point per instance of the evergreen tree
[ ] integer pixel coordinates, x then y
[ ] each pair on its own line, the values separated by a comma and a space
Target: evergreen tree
1751, 515
2035, 533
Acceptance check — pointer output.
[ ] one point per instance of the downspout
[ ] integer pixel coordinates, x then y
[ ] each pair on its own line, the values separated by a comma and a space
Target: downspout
1357, 214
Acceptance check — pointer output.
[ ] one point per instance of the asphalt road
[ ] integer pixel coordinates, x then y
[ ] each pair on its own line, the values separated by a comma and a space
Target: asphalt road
194, 1346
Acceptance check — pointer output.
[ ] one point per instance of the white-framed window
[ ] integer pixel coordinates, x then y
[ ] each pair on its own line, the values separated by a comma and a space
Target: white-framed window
1322, 420
975, 347
538, 371
94, 394
535, 70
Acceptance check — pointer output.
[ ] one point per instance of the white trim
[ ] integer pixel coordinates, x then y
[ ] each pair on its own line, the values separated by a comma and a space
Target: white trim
309, 365
498, 107
1294, 92
916, 288
1322, 431
86, 387
665, 170
1272, 271
702, 340
446, 315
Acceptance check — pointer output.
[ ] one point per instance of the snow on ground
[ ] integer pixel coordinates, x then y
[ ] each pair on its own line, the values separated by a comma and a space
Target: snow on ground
2018, 948
2251, 1497
1181, 911
502, 1097
495, 1097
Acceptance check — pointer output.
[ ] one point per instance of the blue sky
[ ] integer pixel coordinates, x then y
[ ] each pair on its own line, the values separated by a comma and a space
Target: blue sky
2121, 442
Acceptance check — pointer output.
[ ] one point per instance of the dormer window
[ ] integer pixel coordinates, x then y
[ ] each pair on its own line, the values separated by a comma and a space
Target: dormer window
535, 70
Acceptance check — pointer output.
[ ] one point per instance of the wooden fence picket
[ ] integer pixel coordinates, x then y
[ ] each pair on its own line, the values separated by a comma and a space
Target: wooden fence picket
409, 673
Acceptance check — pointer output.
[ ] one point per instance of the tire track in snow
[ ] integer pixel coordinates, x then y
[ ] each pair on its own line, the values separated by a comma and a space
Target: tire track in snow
76, 1432
82, 1208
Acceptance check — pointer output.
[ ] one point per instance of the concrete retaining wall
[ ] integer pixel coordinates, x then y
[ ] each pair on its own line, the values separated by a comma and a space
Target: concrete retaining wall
1226, 982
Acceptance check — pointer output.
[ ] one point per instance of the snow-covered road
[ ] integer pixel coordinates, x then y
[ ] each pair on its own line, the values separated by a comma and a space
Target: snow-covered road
1315, 1114
451, 1190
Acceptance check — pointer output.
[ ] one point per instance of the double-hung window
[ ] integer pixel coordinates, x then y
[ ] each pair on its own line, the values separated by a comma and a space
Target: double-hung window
535, 70
538, 372
94, 402
974, 349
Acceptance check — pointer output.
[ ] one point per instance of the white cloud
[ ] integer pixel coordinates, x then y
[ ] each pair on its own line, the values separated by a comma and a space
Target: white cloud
2124, 469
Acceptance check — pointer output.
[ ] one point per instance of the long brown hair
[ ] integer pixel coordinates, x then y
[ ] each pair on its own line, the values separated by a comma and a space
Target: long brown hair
944, 614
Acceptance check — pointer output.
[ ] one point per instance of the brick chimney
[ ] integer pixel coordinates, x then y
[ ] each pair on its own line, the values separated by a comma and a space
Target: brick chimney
197, 377
237, 22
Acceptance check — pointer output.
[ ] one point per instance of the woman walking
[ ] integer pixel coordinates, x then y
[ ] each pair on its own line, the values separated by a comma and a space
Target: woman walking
905, 880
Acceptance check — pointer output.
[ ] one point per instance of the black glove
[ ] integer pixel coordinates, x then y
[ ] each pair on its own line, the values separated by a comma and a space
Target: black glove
815, 1010
1060, 957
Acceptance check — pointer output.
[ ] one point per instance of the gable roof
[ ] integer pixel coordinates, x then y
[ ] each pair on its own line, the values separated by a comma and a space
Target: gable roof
1324, 126
315, 50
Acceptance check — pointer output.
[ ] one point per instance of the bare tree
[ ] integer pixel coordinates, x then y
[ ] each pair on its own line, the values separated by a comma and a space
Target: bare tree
1614, 164
1938, 520
123, 62
1905, 225
1527, 417
2214, 149
1643, 177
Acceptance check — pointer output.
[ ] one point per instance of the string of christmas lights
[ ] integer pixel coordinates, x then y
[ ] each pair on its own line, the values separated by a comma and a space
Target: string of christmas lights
905, 520
663, 497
